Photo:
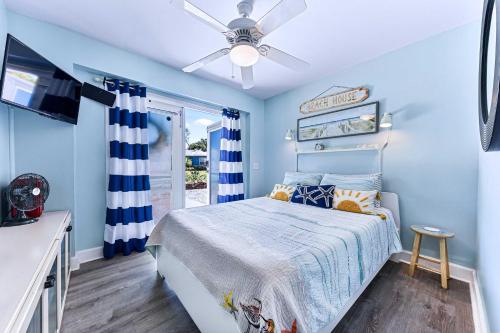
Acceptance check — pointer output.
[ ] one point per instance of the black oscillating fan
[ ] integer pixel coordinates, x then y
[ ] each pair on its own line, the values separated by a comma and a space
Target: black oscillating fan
26, 195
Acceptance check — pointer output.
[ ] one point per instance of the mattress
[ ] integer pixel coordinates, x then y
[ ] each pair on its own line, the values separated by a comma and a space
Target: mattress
275, 265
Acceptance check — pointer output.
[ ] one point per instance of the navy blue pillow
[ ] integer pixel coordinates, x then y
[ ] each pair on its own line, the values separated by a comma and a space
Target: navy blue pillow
318, 196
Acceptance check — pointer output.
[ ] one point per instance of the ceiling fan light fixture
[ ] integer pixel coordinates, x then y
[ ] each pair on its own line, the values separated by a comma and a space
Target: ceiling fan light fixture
244, 55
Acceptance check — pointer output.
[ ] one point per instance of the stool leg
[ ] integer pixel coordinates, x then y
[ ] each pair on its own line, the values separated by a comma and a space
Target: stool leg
444, 263
447, 261
415, 254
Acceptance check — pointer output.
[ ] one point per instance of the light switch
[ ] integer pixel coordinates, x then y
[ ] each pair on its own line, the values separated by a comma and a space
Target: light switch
256, 166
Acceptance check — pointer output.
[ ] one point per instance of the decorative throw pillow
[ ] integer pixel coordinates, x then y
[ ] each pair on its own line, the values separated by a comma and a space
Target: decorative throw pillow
355, 201
282, 192
318, 196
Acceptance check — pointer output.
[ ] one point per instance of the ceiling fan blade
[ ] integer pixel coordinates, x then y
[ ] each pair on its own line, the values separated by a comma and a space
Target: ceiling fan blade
247, 77
283, 58
204, 61
283, 12
199, 14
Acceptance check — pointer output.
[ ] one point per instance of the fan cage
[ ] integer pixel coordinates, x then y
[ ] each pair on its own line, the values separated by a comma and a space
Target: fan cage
21, 194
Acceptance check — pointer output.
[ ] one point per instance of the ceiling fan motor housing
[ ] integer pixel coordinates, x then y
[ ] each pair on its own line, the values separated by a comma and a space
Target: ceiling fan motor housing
243, 31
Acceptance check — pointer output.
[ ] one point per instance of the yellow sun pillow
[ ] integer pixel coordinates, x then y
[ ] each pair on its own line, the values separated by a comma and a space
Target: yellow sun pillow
362, 202
282, 192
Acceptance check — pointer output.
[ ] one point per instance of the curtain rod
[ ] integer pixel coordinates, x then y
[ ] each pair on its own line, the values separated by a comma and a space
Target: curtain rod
105, 80
180, 98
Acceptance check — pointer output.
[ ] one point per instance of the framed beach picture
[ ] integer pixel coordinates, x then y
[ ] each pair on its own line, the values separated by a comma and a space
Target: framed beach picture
357, 120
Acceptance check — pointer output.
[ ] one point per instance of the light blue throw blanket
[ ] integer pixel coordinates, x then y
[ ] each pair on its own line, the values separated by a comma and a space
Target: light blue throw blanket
278, 266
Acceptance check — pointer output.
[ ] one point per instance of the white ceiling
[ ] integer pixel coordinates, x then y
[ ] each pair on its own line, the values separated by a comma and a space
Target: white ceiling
332, 35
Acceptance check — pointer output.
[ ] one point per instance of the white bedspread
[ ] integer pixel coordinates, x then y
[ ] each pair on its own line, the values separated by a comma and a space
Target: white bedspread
279, 264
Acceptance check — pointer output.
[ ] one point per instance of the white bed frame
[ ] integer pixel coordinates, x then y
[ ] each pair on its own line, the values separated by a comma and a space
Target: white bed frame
206, 311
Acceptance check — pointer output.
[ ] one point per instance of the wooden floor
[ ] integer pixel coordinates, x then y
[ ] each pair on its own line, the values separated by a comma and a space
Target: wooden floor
126, 295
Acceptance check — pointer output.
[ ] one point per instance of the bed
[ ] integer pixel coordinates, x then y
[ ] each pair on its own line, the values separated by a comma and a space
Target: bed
263, 265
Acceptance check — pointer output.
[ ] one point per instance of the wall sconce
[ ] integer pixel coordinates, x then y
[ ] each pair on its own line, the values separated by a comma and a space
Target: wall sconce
386, 121
290, 134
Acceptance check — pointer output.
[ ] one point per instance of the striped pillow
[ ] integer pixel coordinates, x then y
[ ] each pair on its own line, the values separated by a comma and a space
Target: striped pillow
302, 178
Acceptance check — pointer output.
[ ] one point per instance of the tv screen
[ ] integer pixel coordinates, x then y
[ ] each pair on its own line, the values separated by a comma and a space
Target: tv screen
31, 82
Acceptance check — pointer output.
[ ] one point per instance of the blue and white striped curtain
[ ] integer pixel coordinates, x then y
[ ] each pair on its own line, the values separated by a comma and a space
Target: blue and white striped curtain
129, 216
231, 186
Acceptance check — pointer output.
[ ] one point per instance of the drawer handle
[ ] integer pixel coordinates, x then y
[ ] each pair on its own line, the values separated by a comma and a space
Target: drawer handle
50, 282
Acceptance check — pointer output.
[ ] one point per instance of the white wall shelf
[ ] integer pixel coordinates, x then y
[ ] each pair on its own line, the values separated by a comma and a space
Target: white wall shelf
379, 149
365, 147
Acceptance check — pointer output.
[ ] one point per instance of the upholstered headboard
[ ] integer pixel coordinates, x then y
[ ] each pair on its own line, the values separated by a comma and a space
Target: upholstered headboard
391, 201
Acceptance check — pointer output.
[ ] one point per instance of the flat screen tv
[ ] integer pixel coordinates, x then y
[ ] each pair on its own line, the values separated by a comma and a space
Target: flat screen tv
31, 82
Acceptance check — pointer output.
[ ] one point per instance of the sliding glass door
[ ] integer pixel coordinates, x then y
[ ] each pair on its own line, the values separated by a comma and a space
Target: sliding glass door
165, 156
184, 143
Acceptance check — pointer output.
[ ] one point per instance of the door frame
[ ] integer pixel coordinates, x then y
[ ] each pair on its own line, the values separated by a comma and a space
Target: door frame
157, 101
211, 128
158, 104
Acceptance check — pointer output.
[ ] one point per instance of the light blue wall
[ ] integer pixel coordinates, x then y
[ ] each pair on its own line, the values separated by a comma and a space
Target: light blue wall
90, 171
45, 146
488, 231
4, 116
73, 158
431, 162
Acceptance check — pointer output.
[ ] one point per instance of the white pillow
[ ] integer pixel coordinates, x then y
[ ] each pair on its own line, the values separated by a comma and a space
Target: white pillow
302, 178
364, 182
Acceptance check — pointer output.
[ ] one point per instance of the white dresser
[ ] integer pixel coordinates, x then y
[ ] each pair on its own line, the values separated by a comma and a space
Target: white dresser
34, 274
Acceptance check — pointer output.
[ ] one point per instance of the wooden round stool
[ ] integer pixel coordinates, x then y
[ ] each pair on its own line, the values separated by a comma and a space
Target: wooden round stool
440, 234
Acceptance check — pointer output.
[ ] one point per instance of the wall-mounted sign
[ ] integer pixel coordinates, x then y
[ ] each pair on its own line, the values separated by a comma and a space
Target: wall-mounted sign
351, 96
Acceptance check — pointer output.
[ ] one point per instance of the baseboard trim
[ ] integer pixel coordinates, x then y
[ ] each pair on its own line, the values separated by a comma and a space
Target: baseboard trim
464, 274
481, 323
84, 256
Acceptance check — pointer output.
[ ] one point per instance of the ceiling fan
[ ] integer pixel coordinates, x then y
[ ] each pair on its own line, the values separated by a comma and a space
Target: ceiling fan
244, 36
